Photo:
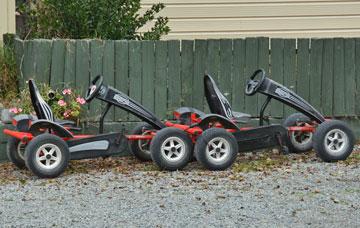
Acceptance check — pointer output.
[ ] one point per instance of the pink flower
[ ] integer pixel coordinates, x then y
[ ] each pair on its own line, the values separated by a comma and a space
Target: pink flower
66, 91
61, 103
15, 110
67, 113
80, 100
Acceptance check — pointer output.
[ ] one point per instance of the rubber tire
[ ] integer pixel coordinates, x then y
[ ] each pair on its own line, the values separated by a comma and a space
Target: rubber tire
12, 153
291, 121
30, 152
134, 144
319, 137
201, 144
155, 149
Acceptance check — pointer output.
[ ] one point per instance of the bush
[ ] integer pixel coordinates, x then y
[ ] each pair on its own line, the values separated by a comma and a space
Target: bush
103, 19
8, 73
65, 104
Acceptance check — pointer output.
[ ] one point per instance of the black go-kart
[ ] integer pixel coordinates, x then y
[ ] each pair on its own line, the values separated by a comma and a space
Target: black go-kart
49, 144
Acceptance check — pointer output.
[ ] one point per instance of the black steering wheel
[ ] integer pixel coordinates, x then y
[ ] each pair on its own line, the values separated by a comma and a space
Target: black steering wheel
94, 88
253, 84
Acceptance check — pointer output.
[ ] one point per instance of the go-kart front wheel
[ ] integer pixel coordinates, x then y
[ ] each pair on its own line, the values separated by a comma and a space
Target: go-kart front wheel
333, 141
216, 149
15, 152
47, 156
299, 141
141, 148
171, 149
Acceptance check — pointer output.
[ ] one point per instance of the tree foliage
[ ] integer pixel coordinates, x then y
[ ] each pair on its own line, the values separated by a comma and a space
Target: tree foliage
104, 19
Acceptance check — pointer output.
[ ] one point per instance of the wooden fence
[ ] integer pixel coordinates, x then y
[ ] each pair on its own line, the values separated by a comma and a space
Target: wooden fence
164, 75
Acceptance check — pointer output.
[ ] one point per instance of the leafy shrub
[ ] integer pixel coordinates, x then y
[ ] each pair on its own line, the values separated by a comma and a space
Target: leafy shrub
65, 104
8, 73
104, 19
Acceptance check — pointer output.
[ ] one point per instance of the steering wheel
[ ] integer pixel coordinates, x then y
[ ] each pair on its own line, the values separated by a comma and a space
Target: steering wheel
253, 85
94, 88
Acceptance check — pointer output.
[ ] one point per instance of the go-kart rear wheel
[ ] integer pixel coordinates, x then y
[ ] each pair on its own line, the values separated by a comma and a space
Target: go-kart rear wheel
300, 141
216, 149
141, 148
171, 149
333, 141
15, 152
47, 156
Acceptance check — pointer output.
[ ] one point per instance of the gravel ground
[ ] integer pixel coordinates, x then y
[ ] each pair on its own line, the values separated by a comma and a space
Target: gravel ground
294, 191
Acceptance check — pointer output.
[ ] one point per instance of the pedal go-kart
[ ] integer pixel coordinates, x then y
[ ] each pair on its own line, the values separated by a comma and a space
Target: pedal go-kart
217, 139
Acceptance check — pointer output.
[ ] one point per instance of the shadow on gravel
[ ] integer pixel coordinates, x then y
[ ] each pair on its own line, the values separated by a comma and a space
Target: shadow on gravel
247, 162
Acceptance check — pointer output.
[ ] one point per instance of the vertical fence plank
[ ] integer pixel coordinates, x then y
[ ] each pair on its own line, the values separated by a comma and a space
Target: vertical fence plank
277, 72
28, 63
199, 70
96, 67
148, 71
251, 61
19, 57
289, 69
349, 77
70, 63
339, 82
174, 80
327, 78
303, 67
264, 60
226, 62
161, 58
135, 66
121, 74
238, 96
357, 77
187, 69
108, 71
57, 64
315, 72
212, 64
42, 60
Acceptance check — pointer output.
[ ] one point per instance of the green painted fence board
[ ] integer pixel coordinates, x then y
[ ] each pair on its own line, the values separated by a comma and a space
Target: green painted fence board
289, 69
19, 57
135, 72
303, 67
212, 64
238, 95
349, 77
174, 80
198, 75
58, 64
70, 63
161, 57
277, 72
148, 74
315, 72
357, 75
187, 69
226, 62
108, 72
327, 78
96, 68
263, 63
339, 82
251, 61
121, 75
28, 62
42, 60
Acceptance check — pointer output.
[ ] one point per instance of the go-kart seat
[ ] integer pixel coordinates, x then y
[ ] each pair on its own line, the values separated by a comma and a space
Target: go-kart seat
43, 110
218, 103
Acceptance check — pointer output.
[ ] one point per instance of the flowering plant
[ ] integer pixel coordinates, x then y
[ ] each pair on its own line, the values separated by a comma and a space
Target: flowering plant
65, 104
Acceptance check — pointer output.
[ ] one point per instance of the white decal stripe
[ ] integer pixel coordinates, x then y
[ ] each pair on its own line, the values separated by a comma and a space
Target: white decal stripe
97, 145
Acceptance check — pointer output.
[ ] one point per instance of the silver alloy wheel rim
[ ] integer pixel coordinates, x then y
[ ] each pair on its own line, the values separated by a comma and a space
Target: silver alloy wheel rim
218, 149
48, 156
173, 149
295, 134
144, 143
21, 150
336, 141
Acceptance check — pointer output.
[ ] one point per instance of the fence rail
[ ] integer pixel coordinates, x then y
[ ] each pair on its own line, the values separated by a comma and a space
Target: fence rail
164, 75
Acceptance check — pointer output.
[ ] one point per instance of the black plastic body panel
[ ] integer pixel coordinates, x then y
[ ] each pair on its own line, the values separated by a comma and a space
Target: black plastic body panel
212, 118
86, 147
262, 137
46, 124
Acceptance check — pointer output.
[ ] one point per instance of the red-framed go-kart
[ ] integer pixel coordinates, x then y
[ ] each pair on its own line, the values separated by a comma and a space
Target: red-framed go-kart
49, 145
